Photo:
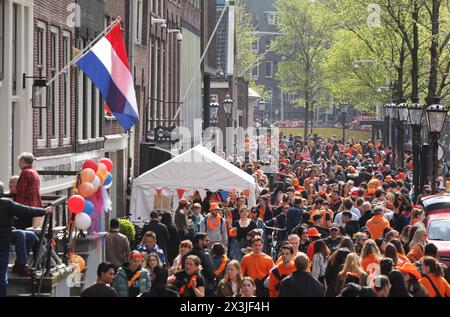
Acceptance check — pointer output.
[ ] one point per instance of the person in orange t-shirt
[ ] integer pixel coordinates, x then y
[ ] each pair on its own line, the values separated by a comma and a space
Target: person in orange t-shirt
377, 223
279, 272
433, 279
257, 265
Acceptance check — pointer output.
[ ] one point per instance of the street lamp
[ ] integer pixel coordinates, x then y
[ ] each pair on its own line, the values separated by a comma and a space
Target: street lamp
436, 115
214, 108
386, 124
391, 109
415, 110
344, 110
402, 109
262, 109
228, 107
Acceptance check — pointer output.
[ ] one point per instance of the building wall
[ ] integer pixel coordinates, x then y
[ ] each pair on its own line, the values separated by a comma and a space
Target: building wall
16, 119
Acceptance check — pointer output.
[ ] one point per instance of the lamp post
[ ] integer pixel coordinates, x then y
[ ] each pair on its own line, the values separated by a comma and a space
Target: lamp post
344, 110
402, 109
262, 107
228, 107
214, 111
415, 119
436, 115
392, 110
386, 125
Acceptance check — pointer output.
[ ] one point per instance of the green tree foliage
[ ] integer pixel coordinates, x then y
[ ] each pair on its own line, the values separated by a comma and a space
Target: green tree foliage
127, 229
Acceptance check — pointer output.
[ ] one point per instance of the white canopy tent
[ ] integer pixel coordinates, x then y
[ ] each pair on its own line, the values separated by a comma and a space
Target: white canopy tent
195, 170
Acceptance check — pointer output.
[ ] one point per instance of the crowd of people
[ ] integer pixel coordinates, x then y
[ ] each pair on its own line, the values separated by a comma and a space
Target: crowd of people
335, 220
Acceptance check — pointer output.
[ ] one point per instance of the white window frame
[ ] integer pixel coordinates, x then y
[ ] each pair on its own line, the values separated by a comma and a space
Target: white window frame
66, 140
139, 17
256, 50
272, 18
42, 143
271, 63
80, 100
55, 31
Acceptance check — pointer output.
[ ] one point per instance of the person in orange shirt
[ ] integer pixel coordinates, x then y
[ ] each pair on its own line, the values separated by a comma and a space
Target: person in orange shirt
377, 223
257, 265
279, 272
416, 247
433, 279
371, 258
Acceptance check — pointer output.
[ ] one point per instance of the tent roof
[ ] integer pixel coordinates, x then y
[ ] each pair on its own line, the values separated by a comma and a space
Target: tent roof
196, 168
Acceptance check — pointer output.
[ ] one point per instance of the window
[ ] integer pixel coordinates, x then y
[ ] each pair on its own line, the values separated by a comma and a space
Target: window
269, 96
42, 61
139, 13
14, 48
269, 69
66, 88
54, 100
269, 40
272, 18
2, 36
255, 45
255, 71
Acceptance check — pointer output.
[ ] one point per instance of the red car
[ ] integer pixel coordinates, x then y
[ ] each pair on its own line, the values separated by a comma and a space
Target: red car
437, 209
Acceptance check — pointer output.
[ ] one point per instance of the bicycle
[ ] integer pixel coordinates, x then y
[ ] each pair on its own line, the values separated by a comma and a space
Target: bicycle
274, 245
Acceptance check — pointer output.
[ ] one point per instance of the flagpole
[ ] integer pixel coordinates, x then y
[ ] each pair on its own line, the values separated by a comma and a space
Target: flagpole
84, 51
201, 61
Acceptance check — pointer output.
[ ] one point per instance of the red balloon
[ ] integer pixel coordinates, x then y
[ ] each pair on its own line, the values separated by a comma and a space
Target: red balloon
108, 163
76, 204
90, 164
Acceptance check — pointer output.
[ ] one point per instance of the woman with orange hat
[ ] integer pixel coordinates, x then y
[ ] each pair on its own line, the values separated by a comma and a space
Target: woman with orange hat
313, 235
411, 276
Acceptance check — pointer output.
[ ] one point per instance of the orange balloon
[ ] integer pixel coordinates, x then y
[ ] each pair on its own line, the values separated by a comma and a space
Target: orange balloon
87, 175
87, 190
102, 178
102, 169
79, 262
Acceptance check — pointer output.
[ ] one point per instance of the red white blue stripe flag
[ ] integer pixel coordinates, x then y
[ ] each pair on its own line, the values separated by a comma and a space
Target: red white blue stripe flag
106, 65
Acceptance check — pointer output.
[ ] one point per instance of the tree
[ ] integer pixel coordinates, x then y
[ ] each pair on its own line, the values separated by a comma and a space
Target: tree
306, 37
246, 36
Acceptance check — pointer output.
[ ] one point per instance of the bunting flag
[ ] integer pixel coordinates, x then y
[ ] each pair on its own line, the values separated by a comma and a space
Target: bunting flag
106, 65
224, 195
180, 192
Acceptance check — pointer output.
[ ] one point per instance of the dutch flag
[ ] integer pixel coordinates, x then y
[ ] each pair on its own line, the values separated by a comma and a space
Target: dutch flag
106, 65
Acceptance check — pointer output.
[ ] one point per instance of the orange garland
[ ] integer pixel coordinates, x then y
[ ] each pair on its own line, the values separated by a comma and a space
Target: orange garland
212, 226
134, 278
222, 266
183, 287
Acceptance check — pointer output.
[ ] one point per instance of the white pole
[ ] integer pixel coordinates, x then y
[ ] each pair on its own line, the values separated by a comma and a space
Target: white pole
84, 51
201, 61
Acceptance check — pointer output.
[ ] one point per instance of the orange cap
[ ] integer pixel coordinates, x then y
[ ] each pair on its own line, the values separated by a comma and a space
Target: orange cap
214, 206
313, 232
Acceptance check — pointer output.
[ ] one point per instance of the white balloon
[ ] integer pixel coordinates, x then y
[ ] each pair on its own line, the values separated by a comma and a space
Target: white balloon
83, 221
108, 186
96, 182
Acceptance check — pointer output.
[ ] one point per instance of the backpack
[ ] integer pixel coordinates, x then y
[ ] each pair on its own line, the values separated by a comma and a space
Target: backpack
280, 277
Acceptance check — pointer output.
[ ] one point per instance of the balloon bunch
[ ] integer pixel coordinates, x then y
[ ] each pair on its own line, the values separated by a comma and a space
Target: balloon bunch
92, 178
